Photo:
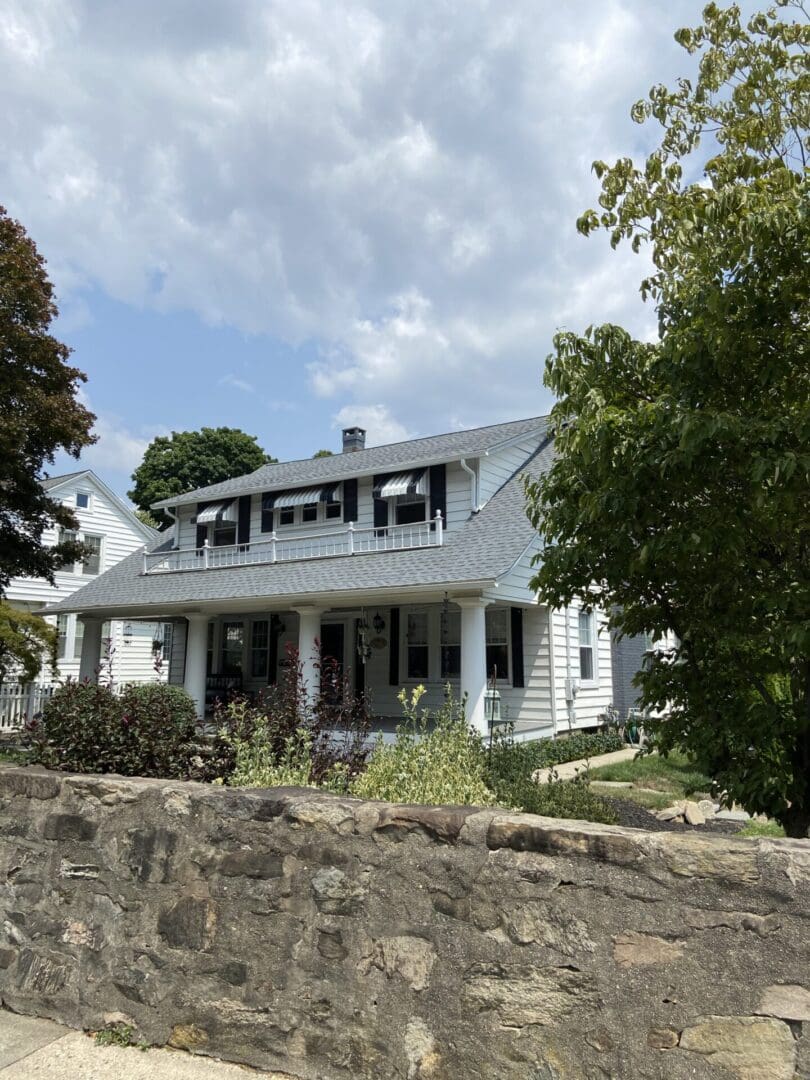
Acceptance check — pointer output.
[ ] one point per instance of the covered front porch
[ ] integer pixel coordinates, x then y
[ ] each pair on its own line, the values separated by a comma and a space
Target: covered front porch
380, 644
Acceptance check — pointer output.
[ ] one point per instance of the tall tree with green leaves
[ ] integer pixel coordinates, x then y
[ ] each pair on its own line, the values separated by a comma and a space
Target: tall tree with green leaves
40, 410
192, 459
683, 472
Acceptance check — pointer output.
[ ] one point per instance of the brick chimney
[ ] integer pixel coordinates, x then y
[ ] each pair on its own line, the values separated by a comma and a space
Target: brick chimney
354, 438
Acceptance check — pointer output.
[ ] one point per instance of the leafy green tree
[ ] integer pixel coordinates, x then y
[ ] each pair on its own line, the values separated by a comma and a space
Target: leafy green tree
146, 517
323, 453
681, 483
26, 643
187, 460
39, 408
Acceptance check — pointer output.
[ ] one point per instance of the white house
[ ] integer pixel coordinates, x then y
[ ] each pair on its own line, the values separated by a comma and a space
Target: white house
409, 563
113, 531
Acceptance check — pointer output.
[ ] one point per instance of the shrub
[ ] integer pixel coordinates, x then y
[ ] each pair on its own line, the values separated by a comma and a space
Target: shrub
558, 798
436, 759
258, 762
147, 730
512, 762
255, 737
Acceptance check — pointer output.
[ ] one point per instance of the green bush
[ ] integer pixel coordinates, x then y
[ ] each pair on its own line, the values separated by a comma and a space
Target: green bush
509, 774
146, 730
559, 799
436, 759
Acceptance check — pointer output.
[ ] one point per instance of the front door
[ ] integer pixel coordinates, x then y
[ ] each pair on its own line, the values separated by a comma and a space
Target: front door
332, 643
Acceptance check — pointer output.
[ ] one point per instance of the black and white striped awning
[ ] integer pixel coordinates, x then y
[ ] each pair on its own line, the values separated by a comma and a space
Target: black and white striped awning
219, 511
280, 500
404, 483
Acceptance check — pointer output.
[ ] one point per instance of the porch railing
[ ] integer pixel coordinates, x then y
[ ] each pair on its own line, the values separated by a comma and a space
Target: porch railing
273, 549
19, 702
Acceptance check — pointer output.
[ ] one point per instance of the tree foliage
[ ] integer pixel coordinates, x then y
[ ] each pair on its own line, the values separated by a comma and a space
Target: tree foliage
26, 643
681, 483
192, 459
39, 407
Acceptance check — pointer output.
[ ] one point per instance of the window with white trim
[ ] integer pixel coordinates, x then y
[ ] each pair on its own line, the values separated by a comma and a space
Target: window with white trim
78, 637
497, 623
417, 645
83, 500
62, 622
259, 648
587, 647
409, 509
91, 563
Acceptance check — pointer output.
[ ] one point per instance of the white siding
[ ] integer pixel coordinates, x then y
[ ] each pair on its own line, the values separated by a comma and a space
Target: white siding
589, 702
529, 707
120, 537
513, 587
501, 465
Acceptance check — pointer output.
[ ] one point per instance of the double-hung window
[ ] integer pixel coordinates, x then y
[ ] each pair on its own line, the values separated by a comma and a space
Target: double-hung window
497, 623
91, 563
410, 509
417, 645
78, 637
259, 648
587, 647
61, 636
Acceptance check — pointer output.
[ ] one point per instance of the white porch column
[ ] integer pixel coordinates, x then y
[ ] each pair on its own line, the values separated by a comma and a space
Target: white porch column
474, 658
196, 652
91, 649
309, 634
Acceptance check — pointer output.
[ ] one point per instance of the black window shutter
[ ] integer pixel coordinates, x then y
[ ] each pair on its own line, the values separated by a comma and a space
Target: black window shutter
380, 507
243, 528
349, 500
202, 530
393, 647
267, 512
518, 678
438, 490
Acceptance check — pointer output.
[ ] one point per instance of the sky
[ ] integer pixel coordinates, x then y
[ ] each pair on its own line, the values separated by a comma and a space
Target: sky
294, 217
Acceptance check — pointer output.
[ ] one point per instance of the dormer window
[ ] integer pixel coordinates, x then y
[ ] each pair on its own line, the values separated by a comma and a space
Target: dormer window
305, 506
410, 509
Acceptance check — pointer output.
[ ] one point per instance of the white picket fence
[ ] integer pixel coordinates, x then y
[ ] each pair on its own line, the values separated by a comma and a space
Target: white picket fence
20, 702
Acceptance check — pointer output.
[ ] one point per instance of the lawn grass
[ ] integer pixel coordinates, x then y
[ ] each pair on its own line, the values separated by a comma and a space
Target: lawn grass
11, 757
650, 800
762, 828
674, 775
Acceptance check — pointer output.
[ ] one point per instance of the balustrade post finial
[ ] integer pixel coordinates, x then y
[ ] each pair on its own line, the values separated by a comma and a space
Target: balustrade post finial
351, 538
273, 546
439, 528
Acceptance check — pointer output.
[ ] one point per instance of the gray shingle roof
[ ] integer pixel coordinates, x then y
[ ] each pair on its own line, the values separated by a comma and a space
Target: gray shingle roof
55, 481
484, 548
394, 456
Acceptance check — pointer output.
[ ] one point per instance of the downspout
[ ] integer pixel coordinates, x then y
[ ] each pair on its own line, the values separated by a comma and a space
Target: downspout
175, 526
552, 673
473, 484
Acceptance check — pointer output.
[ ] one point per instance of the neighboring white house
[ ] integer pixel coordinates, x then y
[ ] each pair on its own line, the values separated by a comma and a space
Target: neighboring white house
113, 531
409, 563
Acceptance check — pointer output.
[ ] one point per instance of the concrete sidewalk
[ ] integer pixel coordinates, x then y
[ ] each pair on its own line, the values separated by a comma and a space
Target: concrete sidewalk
32, 1049
569, 769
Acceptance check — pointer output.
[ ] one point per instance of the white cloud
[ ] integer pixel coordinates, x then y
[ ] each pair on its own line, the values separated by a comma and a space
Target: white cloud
398, 183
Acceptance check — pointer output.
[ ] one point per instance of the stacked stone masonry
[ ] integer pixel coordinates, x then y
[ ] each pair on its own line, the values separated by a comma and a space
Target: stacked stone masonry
335, 939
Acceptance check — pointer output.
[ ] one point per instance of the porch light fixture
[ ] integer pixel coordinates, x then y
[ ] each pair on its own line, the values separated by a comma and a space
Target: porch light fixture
363, 646
378, 623
127, 632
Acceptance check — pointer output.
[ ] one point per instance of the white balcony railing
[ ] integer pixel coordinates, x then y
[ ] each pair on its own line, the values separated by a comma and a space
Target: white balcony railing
273, 549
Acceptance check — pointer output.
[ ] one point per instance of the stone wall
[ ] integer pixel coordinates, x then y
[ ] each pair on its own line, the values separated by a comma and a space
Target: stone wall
338, 939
